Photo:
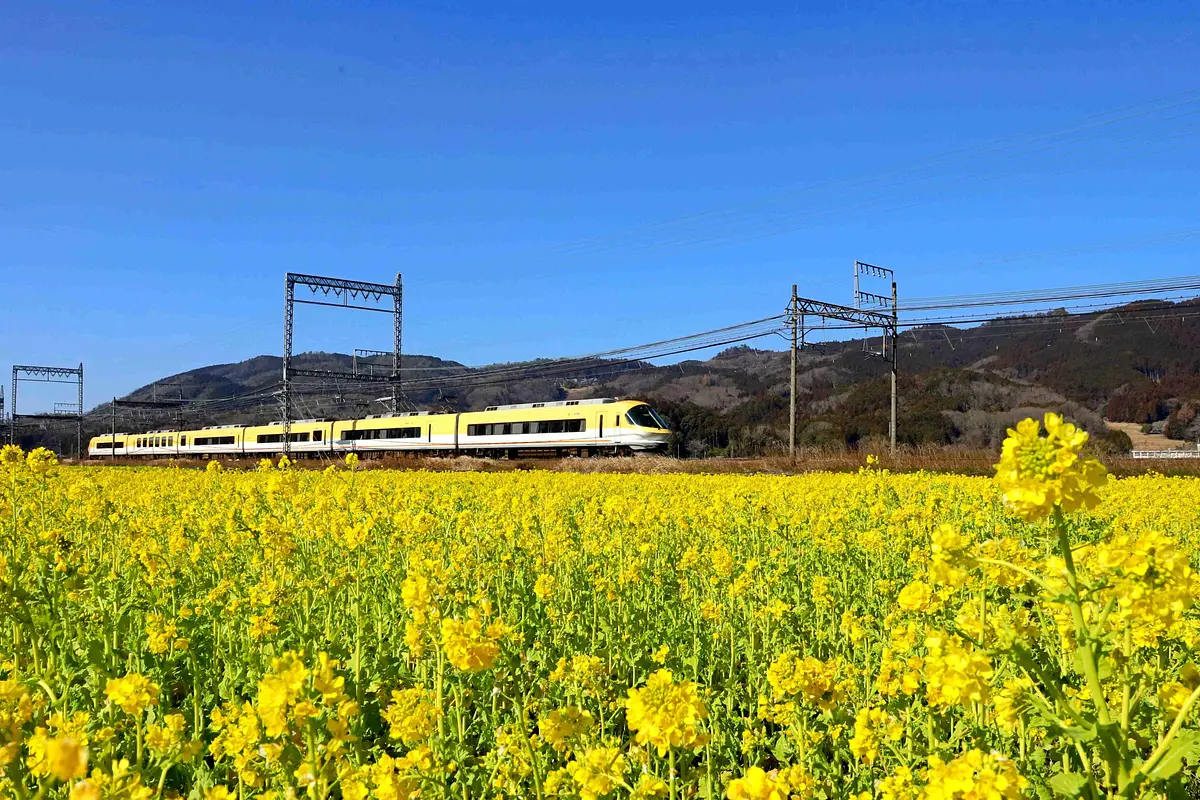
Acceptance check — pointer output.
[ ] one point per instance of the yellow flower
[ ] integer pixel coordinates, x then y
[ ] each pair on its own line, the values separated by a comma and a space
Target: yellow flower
280, 691
468, 645
648, 787
161, 635
63, 758
169, 739
134, 693
898, 786
916, 596
40, 461
954, 673
412, 716
352, 461
666, 714
601, 770
1009, 705
543, 587
86, 790
808, 678
660, 655
948, 557
562, 725
820, 591
757, 785
1037, 474
11, 457
973, 776
871, 726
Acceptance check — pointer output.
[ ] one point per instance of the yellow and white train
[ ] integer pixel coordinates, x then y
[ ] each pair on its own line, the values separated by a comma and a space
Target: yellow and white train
564, 427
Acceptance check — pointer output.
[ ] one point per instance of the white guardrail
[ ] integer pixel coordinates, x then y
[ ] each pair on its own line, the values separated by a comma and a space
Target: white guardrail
1165, 454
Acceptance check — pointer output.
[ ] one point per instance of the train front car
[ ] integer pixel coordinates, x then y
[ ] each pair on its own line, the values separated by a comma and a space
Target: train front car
644, 430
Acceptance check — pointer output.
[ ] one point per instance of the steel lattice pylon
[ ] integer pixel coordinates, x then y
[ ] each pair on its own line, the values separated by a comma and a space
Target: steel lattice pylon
886, 319
349, 291
29, 373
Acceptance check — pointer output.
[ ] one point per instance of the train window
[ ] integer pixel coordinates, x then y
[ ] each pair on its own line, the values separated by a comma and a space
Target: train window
644, 416
109, 445
317, 436
183, 441
543, 426
201, 441
384, 433
276, 438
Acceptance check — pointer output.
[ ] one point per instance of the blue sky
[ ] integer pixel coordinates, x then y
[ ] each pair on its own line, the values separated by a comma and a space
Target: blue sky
164, 164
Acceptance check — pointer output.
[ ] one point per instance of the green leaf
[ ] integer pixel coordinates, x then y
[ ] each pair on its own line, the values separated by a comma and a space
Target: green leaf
1068, 784
1186, 745
95, 655
1081, 735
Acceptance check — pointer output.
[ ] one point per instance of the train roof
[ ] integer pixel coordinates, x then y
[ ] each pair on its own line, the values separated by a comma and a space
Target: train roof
595, 401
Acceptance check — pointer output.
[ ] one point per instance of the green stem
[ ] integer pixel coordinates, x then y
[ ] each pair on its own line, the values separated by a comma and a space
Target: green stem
1161, 750
1091, 671
672, 774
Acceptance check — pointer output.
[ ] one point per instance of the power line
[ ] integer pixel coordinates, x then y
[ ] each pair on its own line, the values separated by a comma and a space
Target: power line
1026, 296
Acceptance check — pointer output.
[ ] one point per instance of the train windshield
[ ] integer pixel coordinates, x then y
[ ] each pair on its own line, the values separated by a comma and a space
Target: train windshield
645, 417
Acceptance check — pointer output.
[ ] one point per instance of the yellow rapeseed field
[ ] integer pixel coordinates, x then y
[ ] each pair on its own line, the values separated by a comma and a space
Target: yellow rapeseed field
288, 633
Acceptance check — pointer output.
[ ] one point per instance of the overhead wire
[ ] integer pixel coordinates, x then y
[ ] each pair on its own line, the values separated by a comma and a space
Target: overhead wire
1120, 289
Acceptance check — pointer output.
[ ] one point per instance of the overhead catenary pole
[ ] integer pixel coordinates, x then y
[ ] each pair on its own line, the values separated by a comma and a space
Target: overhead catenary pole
353, 295
792, 396
397, 328
79, 419
112, 447
44, 374
285, 387
889, 323
895, 353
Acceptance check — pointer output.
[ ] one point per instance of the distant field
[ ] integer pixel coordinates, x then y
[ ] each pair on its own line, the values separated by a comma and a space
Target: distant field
1145, 441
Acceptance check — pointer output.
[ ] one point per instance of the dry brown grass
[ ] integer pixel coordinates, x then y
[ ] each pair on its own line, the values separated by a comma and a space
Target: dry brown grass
1146, 441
